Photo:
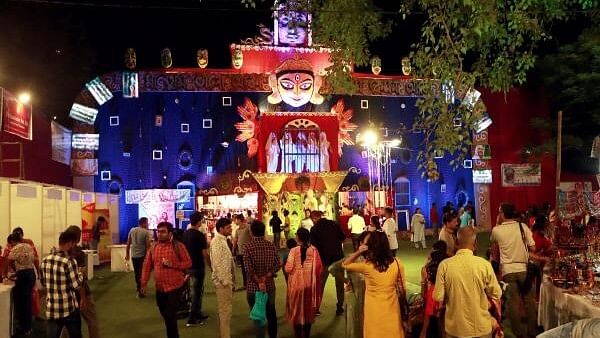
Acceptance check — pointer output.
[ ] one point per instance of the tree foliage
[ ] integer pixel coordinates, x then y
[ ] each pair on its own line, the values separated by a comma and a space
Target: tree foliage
572, 78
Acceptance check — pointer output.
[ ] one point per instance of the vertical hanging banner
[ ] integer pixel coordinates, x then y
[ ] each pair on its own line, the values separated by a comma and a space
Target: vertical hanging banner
61, 143
16, 116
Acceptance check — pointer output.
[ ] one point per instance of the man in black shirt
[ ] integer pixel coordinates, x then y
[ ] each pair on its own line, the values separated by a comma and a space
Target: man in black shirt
275, 224
328, 238
197, 247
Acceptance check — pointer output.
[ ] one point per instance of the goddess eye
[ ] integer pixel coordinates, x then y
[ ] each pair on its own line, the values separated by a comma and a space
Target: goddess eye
286, 84
306, 85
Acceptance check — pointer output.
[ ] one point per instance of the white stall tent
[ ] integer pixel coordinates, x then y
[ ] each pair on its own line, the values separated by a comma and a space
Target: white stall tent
44, 211
26, 210
54, 217
73, 207
4, 210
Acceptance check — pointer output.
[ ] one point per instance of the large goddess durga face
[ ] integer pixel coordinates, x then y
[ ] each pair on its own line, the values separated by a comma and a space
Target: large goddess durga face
295, 83
296, 89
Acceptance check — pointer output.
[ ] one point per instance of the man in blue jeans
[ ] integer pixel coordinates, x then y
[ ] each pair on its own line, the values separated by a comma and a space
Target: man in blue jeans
197, 247
62, 280
262, 261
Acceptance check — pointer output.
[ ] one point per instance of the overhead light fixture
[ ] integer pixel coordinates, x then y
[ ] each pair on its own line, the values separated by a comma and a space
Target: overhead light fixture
24, 98
225, 144
483, 123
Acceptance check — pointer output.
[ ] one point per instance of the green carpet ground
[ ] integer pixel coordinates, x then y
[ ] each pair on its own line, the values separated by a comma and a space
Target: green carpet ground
121, 315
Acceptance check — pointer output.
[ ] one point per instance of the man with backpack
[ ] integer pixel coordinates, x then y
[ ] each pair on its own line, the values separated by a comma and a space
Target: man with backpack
169, 259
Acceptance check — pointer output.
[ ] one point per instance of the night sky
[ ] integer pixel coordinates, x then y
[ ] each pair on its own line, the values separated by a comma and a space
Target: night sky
52, 48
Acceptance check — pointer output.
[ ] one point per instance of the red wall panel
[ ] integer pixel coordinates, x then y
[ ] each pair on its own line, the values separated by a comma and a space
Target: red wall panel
508, 134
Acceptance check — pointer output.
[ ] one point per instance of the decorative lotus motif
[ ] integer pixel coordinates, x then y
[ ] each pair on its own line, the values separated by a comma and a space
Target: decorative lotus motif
345, 126
249, 127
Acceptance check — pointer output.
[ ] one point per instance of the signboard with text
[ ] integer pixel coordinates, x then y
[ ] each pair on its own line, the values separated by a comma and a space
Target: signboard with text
523, 174
15, 116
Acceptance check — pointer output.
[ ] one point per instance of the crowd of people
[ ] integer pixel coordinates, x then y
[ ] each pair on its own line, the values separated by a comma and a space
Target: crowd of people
462, 292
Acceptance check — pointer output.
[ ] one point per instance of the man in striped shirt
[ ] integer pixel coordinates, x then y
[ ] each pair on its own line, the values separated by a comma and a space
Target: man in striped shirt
169, 259
62, 281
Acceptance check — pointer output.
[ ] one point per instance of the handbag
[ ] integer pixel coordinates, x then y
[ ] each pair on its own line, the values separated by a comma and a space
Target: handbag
532, 268
259, 310
401, 293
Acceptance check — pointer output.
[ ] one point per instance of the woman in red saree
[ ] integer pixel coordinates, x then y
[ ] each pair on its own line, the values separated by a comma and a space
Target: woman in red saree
304, 292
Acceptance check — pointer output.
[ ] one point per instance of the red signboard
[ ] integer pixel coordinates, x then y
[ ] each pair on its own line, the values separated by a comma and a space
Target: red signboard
16, 116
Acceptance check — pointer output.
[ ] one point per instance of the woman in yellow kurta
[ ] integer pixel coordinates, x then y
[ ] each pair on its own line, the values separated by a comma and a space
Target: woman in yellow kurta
380, 269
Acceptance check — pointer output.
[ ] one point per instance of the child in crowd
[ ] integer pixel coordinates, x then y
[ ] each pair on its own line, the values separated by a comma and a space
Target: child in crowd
290, 243
433, 318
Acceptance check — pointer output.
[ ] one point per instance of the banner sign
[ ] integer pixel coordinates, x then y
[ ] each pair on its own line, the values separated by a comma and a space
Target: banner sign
157, 212
157, 196
482, 176
83, 114
514, 175
86, 141
61, 143
16, 116
99, 91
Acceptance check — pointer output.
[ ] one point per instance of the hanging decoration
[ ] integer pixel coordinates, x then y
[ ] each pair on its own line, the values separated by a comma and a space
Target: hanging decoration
202, 58
237, 58
376, 65
166, 58
406, 67
130, 58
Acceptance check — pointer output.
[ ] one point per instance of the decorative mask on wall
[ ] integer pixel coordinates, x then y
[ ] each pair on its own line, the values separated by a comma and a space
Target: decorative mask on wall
295, 83
406, 67
292, 28
165, 58
202, 58
130, 58
237, 58
376, 65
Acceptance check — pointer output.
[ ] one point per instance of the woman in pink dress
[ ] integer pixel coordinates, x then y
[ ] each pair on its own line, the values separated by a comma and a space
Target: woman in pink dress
304, 292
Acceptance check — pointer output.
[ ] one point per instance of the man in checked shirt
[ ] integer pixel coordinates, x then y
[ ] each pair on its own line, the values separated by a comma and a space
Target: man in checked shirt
62, 281
169, 259
262, 261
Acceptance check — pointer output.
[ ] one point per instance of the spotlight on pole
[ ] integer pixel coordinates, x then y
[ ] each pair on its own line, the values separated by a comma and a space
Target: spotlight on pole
24, 98
369, 138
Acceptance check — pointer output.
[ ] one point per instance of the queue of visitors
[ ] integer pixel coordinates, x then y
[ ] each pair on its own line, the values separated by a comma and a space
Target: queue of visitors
461, 292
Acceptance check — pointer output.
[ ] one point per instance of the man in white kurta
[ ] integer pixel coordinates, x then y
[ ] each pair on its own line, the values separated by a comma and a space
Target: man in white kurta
417, 228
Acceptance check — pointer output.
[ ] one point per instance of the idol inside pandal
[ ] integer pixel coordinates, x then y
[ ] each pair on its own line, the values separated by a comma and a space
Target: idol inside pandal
295, 84
130, 58
166, 58
202, 58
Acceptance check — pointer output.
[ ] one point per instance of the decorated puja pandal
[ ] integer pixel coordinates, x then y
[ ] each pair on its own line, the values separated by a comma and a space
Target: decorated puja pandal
570, 288
268, 134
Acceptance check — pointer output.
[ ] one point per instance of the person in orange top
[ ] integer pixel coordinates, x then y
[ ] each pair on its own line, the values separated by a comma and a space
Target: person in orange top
169, 259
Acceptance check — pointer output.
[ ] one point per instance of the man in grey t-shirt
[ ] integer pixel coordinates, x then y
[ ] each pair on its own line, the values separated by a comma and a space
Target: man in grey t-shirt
138, 241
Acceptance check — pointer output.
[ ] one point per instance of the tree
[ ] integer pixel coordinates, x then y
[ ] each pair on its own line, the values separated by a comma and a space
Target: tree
572, 78
464, 44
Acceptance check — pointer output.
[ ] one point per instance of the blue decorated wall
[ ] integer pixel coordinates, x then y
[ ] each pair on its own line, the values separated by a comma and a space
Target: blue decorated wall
126, 149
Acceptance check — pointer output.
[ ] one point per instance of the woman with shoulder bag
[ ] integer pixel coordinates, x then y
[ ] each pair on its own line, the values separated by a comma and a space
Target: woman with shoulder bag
384, 283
